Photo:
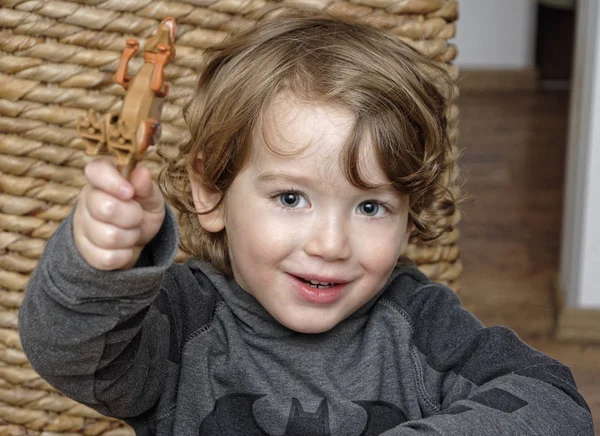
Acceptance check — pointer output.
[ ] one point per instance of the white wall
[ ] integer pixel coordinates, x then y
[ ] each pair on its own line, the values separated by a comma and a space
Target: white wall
496, 34
580, 256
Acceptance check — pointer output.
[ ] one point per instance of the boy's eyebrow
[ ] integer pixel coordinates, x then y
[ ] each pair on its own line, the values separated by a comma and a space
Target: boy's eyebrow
273, 176
302, 180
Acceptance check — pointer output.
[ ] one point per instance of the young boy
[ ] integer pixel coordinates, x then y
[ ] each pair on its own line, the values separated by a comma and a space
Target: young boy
317, 148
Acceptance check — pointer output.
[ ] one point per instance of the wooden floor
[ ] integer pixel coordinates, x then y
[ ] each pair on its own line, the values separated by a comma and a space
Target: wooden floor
514, 159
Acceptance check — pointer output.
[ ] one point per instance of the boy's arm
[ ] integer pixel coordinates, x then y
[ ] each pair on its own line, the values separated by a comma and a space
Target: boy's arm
477, 381
99, 336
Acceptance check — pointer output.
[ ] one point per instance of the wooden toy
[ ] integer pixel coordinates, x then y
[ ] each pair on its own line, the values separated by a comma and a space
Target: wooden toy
129, 133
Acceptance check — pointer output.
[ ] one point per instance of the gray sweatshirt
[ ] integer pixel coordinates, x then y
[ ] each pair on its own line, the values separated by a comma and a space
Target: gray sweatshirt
180, 350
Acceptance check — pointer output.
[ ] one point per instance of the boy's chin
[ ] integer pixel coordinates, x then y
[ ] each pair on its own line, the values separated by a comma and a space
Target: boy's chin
308, 326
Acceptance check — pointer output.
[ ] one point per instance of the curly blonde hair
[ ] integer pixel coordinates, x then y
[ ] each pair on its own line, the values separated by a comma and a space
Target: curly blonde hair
399, 98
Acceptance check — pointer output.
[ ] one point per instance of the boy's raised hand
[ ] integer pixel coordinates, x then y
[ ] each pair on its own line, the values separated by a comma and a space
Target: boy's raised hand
115, 218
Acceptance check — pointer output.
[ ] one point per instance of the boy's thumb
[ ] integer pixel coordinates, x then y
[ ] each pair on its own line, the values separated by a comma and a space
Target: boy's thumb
146, 191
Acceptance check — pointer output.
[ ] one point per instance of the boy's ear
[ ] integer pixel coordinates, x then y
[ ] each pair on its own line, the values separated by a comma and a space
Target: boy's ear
204, 200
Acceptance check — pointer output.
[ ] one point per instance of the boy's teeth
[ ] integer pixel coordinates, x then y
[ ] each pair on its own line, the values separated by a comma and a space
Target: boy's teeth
314, 282
319, 286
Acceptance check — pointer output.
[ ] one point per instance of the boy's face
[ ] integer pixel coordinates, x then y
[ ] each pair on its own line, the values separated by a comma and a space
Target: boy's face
294, 220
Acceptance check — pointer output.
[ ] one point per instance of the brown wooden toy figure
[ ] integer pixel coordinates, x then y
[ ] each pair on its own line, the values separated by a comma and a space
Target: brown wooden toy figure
128, 134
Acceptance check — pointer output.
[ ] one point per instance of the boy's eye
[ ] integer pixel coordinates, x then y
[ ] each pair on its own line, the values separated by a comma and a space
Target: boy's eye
292, 199
369, 208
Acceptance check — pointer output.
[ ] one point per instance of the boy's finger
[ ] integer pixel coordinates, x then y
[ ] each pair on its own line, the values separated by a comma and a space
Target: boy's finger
109, 209
109, 237
103, 259
146, 191
102, 174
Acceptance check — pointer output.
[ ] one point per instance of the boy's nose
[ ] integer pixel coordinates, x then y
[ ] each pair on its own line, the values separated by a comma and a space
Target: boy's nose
329, 239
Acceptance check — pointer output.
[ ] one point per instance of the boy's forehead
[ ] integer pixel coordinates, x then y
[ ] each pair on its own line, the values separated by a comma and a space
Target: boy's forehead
309, 140
291, 125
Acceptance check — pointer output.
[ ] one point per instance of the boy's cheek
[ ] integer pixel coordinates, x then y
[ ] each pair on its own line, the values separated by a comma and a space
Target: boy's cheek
382, 261
258, 240
382, 242
264, 234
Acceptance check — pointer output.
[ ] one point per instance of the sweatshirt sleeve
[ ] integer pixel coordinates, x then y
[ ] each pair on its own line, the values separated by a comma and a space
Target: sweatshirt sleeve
476, 381
100, 336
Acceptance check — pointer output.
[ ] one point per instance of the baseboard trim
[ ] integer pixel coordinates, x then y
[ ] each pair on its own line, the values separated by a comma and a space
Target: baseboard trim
575, 324
581, 325
497, 80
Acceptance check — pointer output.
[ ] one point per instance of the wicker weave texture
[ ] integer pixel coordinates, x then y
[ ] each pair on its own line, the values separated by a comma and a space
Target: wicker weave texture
57, 59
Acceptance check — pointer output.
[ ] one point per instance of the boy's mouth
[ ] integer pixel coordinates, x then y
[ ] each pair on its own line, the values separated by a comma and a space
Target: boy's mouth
319, 289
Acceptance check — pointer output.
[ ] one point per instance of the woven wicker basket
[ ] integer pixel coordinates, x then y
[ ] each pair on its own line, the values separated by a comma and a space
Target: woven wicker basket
57, 59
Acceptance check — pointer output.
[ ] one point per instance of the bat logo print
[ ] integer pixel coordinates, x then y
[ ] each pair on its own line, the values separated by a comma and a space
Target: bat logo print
233, 415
